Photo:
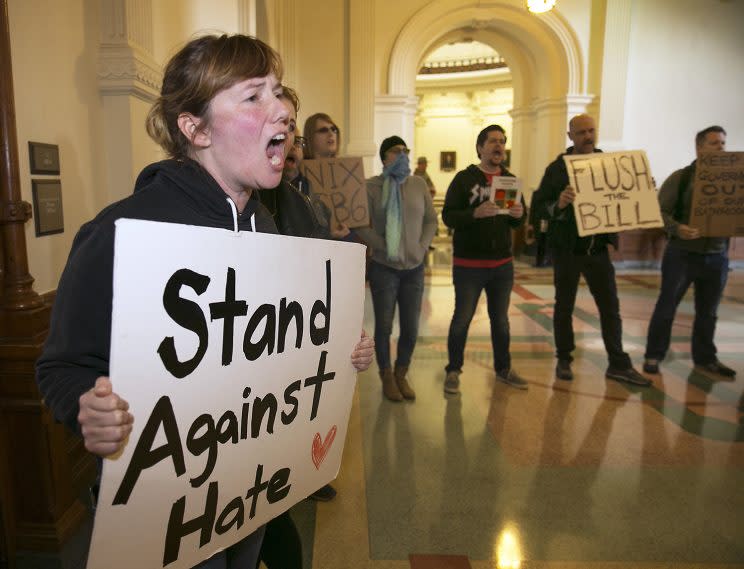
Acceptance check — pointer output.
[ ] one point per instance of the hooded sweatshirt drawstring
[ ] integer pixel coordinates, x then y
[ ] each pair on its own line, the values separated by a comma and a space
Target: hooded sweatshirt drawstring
235, 216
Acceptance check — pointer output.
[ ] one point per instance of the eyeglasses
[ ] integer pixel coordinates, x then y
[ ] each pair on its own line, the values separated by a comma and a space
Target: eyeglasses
327, 129
398, 149
300, 142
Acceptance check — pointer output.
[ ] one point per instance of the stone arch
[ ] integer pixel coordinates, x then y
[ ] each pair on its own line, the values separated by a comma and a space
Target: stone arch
543, 54
547, 41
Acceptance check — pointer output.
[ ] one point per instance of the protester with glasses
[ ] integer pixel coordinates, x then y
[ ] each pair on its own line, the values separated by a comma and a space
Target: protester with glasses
403, 225
298, 211
322, 135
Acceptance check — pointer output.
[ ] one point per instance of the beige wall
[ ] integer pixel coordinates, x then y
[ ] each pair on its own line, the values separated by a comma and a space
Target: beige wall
390, 17
320, 61
176, 21
54, 48
682, 73
686, 72
58, 101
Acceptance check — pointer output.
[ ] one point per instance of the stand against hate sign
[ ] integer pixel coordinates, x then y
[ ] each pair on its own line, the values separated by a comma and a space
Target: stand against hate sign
614, 192
237, 370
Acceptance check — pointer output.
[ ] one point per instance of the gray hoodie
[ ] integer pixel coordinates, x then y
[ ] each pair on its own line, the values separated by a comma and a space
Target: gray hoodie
418, 228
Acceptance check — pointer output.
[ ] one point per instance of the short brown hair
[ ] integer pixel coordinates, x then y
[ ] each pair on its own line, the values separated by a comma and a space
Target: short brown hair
201, 69
483, 136
700, 136
291, 95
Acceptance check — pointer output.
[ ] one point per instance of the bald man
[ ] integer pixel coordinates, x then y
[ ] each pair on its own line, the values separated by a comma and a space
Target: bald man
574, 256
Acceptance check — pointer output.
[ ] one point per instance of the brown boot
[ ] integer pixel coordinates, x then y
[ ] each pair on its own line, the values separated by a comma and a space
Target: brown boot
403, 385
389, 386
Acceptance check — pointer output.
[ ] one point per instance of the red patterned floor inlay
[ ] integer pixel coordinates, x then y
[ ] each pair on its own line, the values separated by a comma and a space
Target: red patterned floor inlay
524, 293
439, 561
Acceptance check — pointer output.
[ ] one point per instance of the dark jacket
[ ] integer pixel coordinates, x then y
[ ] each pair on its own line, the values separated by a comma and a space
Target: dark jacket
483, 238
675, 202
563, 235
296, 213
77, 348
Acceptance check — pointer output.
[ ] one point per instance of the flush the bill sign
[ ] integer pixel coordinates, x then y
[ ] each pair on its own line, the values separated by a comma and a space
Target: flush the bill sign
614, 192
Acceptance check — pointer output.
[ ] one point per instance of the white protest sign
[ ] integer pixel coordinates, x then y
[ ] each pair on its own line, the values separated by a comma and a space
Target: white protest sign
233, 350
505, 191
614, 192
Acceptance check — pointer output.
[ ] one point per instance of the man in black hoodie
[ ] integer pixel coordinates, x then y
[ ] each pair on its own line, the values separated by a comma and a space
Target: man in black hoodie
482, 257
574, 256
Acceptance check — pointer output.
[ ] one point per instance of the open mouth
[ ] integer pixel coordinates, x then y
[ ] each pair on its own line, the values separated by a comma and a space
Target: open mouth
275, 149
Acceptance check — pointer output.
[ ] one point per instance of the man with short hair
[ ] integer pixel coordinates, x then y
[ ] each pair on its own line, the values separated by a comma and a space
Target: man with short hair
689, 259
482, 257
420, 171
574, 256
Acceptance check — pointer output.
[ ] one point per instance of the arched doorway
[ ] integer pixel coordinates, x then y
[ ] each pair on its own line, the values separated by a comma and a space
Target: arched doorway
543, 54
462, 86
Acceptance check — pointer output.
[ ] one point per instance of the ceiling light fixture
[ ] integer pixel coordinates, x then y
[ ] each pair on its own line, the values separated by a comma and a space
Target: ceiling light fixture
540, 6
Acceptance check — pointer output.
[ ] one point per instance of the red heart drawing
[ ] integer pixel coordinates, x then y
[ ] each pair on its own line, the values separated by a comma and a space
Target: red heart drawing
321, 448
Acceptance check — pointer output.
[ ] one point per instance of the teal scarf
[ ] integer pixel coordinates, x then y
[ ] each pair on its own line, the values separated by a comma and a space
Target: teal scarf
393, 176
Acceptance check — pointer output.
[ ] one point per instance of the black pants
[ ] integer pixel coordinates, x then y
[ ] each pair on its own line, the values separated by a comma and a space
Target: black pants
599, 275
281, 547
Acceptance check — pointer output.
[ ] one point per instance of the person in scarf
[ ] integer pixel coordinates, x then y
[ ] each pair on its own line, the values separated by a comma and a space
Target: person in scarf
403, 224
482, 256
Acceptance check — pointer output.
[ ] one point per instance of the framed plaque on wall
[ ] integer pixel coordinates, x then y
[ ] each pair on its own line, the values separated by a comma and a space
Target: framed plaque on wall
47, 196
43, 158
448, 161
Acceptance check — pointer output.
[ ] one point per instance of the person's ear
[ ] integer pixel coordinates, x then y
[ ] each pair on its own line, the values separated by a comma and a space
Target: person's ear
190, 125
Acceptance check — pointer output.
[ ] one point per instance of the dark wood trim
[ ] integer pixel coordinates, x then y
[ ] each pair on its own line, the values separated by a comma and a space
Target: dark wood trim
46, 467
17, 290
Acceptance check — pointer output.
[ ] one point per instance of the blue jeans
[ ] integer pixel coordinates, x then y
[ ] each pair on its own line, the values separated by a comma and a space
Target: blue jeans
469, 282
390, 287
679, 269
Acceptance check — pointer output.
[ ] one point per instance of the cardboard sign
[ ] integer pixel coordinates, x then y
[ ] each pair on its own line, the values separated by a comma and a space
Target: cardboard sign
505, 191
718, 194
614, 192
340, 184
233, 351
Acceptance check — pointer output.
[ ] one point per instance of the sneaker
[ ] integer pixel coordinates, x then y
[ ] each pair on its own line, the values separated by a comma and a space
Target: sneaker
717, 368
651, 366
628, 376
324, 494
511, 377
563, 370
452, 382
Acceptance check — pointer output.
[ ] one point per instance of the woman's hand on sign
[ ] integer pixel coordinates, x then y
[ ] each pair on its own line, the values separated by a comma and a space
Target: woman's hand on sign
363, 352
687, 232
567, 197
516, 210
104, 418
340, 231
